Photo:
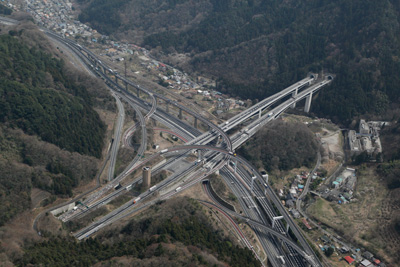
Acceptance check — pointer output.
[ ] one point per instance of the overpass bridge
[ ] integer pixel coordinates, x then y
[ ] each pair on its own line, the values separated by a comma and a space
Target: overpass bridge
298, 91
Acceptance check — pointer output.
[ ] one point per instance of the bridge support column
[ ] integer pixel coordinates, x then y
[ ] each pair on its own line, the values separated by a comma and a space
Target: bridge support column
294, 94
266, 182
116, 79
199, 156
308, 103
252, 182
138, 93
287, 228
259, 113
235, 163
126, 85
195, 122
180, 114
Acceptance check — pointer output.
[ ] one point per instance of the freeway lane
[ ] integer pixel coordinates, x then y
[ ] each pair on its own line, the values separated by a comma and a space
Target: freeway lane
254, 223
128, 208
117, 136
267, 102
247, 204
230, 219
226, 142
187, 110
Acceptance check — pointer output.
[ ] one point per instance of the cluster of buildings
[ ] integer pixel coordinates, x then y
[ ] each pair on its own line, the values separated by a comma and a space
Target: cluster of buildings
367, 139
296, 189
7, 3
365, 259
116, 50
57, 16
358, 258
342, 188
175, 79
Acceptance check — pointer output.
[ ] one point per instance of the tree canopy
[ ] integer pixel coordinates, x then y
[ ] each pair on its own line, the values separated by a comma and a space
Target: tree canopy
39, 98
282, 146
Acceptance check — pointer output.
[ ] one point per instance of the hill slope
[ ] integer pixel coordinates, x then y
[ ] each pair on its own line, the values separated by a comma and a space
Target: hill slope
39, 98
46, 117
173, 233
281, 145
258, 47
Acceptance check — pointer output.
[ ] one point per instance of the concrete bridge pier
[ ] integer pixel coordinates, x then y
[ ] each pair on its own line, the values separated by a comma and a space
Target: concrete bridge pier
195, 122
308, 103
252, 182
137, 92
235, 165
259, 113
180, 114
116, 79
294, 94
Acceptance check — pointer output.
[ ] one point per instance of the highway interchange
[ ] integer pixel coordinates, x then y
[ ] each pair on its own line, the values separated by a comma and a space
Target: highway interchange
262, 209
279, 251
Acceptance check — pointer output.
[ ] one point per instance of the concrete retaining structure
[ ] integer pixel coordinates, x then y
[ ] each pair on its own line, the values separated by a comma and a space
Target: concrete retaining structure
218, 198
63, 209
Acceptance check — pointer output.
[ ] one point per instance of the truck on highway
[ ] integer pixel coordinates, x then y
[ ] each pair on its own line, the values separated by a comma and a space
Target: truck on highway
136, 200
152, 188
164, 151
177, 189
270, 114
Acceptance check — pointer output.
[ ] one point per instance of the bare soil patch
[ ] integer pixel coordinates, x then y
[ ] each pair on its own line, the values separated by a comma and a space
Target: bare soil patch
37, 195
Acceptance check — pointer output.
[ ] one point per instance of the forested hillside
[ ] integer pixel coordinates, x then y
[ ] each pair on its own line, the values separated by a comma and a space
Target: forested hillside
258, 47
38, 98
50, 135
282, 146
173, 233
